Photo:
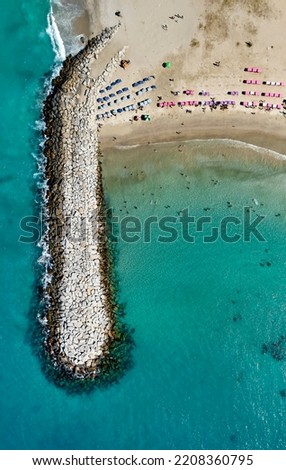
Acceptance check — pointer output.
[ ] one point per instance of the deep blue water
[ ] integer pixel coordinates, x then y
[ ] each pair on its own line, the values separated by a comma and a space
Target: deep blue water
201, 312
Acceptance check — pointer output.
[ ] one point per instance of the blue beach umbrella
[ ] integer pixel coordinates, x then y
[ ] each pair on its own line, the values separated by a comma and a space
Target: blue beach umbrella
125, 88
119, 92
101, 91
106, 98
146, 79
112, 95
119, 110
108, 88
140, 82
99, 100
118, 81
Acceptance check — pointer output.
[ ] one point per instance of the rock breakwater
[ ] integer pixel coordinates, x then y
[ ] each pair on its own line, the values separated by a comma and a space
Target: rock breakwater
79, 296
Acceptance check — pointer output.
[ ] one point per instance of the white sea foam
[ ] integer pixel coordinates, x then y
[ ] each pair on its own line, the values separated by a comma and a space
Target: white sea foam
43, 320
126, 147
47, 279
61, 26
229, 142
256, 148
39, 125
56, 40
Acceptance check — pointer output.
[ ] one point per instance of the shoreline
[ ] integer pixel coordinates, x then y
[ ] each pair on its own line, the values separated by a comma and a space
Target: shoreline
234, 125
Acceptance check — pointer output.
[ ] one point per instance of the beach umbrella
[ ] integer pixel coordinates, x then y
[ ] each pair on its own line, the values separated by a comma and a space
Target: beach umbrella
106, 98
112, 95
146, 79
99, 100
119, 110
134, 84
125, 88
119, 92
140, 82
101, 91
136, 118
153, 87
108, 88
118, 81
167, 65
113, 83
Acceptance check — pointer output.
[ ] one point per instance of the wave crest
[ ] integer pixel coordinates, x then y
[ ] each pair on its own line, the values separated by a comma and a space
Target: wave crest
56, 40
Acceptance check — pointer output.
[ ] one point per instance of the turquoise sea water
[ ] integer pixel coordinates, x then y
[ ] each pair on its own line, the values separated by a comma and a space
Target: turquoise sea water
201, 312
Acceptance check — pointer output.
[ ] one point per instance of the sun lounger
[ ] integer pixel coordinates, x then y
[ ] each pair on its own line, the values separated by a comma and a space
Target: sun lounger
253, 69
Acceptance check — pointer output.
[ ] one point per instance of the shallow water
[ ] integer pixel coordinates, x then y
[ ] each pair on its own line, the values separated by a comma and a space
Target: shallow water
201, 312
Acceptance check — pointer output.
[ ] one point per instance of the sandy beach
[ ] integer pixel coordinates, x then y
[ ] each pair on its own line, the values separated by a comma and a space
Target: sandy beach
193, 36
